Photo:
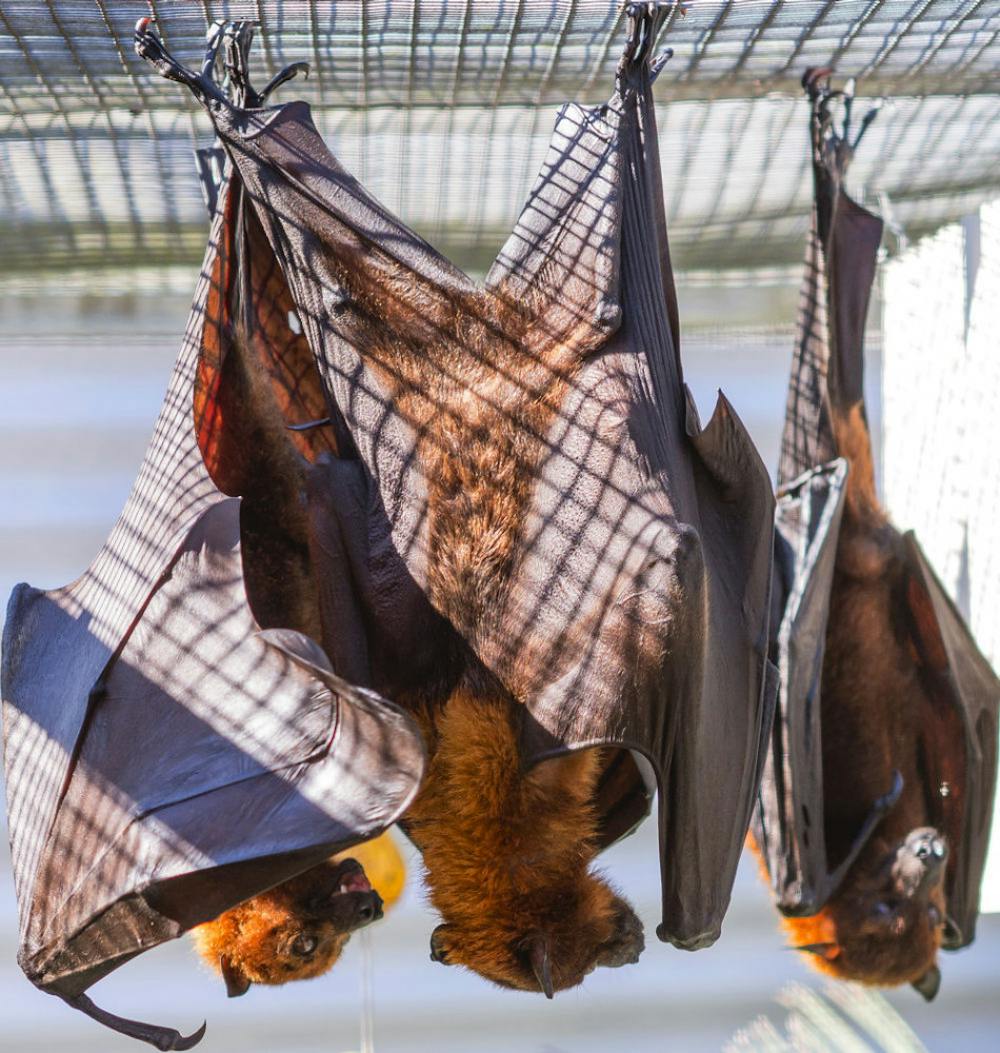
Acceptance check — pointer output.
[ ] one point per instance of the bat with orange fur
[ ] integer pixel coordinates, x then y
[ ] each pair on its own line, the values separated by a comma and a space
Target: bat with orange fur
874, 811
299, 929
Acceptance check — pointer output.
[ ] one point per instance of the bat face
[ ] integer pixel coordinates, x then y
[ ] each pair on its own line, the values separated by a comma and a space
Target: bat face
549, 948
295, 931
885, 926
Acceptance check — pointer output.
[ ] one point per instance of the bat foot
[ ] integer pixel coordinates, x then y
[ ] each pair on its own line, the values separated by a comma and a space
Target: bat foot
233, 39
833, 146
645, 20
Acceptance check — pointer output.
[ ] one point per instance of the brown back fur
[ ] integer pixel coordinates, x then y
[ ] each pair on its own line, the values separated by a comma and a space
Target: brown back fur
507, 854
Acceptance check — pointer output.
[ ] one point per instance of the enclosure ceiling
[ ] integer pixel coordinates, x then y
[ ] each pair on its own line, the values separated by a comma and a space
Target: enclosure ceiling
444, 110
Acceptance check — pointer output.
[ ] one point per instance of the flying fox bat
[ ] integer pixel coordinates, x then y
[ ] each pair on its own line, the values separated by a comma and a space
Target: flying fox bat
524, 524
298, 930
874, 810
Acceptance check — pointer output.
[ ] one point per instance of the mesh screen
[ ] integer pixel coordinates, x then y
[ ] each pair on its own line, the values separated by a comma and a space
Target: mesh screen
444, 109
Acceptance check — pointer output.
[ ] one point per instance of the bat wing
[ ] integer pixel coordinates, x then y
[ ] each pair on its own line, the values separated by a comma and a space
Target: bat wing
959, 737
788, 820
789, 816
164, 760
636, 615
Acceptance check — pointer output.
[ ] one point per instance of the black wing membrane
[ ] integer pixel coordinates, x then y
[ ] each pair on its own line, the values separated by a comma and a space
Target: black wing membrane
959, 733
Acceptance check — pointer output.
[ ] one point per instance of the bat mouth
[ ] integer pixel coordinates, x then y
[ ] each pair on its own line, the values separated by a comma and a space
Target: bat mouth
350, 876
347, 898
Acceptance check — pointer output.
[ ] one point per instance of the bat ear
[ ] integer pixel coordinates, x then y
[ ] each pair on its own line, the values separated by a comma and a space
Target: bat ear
537, 949
627, 943
237, 983
929, 984
439, 944
827, 951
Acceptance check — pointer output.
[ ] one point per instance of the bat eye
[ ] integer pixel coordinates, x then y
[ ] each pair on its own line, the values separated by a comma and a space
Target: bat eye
882, 909
304, 945
935, 916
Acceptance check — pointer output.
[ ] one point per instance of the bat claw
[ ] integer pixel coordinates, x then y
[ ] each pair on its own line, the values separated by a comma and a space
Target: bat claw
192, 1040
814, 76
887, 800
287, 74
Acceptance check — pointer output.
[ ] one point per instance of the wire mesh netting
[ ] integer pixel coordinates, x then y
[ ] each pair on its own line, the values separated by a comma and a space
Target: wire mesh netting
444, 109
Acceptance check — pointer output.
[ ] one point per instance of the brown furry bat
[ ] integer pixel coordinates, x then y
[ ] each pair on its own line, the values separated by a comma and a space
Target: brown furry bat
507, 852
514, 848
295, 931
884, 924
508, 855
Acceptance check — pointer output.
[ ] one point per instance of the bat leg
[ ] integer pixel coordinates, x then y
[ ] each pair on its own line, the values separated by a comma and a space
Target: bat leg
235, 39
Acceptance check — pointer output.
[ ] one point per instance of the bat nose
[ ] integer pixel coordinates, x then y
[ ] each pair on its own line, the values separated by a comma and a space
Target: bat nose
933, 851
371, 909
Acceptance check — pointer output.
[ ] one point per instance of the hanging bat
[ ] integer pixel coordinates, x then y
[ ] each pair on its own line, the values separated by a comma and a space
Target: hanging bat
299, 929
528, 538
874, 811
174, 745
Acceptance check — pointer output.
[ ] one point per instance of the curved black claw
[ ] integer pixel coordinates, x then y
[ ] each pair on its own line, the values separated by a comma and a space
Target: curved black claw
149, 46
880, 808
287, 74
162, 1038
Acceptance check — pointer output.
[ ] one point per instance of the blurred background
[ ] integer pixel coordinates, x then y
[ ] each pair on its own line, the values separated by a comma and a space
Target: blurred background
443, 109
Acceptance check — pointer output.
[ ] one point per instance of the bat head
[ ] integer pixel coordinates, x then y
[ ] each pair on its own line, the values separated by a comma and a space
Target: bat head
886, 923
295, 931
547, 943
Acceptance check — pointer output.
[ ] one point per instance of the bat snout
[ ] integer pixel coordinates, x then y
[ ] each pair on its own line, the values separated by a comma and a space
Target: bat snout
928, 846
920, 862
371, 908
350, 911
